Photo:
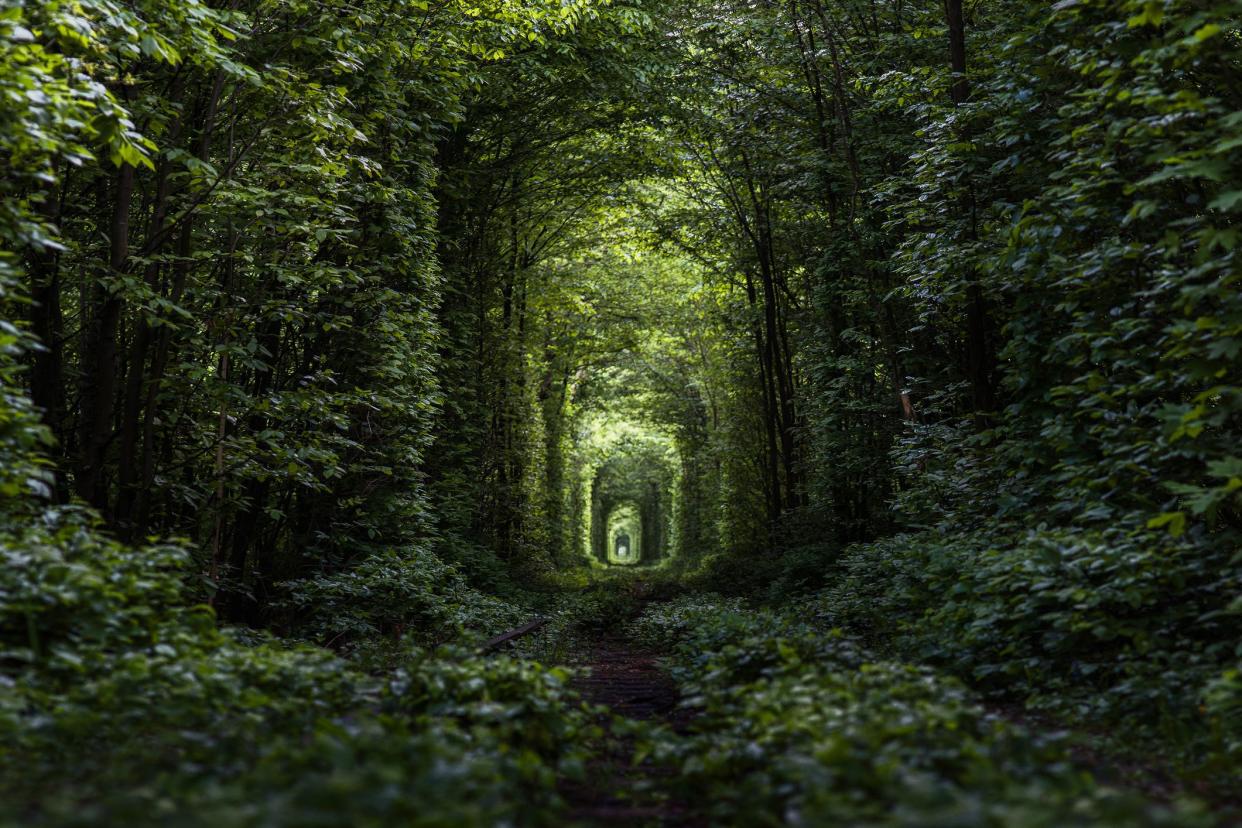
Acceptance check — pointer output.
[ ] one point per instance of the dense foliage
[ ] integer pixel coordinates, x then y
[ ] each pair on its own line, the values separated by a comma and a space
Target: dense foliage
800, 725
994, 300
110, 664
219, 286
337, 337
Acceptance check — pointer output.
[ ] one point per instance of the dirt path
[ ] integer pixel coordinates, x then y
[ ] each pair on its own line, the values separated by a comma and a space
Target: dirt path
629, 683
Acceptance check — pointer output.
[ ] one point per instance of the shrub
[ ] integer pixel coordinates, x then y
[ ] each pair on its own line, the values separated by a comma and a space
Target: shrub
801, 726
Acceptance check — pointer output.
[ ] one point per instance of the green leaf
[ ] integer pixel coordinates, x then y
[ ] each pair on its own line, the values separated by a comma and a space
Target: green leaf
1175, 521
1227, 201
1206, 32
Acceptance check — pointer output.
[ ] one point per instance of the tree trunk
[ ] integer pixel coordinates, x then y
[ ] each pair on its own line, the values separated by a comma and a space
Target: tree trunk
959, 91
99, 355
130, 475
980, 357
47, 376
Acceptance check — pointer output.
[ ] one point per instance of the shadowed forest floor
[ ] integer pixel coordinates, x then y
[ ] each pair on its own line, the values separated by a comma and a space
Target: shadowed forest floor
646, 769
627, 681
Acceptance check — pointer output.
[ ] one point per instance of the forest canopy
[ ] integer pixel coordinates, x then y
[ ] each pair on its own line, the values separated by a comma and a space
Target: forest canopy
874, 366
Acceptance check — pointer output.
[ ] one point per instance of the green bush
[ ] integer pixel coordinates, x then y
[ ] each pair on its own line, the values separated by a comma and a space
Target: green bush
121, 702
395, 593
1123, 625
799, 726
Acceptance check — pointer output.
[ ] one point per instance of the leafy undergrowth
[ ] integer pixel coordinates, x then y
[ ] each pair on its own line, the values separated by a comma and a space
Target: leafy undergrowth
122, 703
1133, 630
800, 725
579, 614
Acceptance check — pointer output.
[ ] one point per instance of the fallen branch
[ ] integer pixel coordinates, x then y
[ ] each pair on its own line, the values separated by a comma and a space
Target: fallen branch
511, 635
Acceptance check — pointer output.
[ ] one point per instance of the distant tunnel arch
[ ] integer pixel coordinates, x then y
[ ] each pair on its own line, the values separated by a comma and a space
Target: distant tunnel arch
623, 539
631, 511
